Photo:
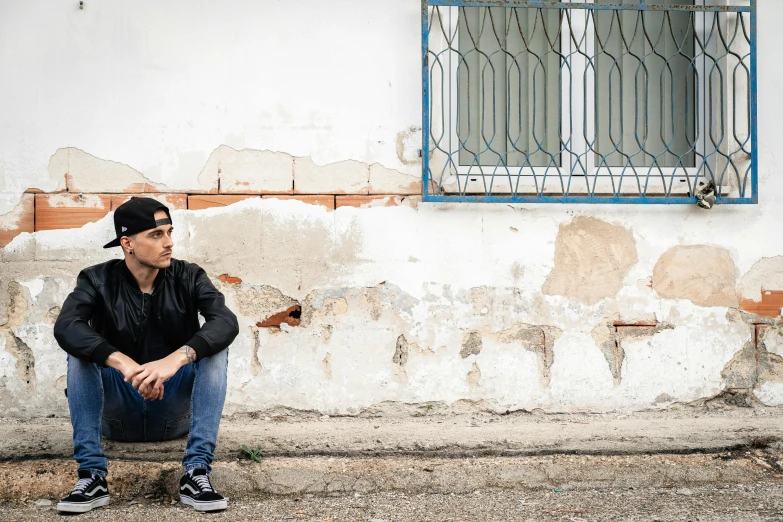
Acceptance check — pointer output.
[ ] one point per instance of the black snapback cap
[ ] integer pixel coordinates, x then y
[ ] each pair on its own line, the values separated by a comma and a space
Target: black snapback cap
137, 215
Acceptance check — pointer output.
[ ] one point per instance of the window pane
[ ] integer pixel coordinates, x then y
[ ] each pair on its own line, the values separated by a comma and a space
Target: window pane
509, 86
645, 80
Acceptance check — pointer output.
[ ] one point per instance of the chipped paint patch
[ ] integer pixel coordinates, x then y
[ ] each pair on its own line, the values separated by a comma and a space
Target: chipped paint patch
408, 145
255, 361
20, 218
537, 339
88, 173
401, 351
761, 288
703, 274
474, 376
25, 359
592, 258
610, 334
471, 345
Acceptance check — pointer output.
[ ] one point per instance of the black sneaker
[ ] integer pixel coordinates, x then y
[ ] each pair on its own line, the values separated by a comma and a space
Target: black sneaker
195, 490
90, 492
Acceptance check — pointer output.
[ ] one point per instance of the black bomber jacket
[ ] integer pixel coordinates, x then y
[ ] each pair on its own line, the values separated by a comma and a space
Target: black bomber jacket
105, 312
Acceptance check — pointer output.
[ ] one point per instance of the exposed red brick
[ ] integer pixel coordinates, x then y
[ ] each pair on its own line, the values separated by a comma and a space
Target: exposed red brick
173, 201
289, 317
58, 211
25, 222
769, 306
202, 202
225, 278
323, 200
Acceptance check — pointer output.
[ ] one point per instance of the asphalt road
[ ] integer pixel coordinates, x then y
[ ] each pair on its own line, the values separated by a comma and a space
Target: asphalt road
729, 503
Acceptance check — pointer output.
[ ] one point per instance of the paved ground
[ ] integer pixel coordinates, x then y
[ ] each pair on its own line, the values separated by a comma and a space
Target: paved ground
759, 502
425, 463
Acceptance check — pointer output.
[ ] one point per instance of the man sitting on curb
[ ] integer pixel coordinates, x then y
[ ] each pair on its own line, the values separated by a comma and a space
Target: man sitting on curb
140, 368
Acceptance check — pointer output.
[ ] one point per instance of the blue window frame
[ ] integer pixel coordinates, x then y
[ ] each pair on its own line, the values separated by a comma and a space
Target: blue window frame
635, 101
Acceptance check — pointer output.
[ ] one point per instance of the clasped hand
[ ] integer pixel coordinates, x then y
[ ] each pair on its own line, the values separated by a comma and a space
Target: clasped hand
148, 378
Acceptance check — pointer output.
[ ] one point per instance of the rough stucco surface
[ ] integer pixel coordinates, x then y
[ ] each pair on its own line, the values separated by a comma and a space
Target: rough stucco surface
767, 274
703, 274
609, 337
389, 315
386, 297
592, 258
767, 373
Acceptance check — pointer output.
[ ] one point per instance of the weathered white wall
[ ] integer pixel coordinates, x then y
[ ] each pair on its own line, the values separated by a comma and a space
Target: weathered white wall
509, 306
159, 86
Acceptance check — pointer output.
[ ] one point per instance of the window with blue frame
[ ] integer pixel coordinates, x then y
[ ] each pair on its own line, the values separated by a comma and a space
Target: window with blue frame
595, 102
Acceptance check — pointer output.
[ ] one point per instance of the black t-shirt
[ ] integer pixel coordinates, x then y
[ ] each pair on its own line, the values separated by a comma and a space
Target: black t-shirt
152, 345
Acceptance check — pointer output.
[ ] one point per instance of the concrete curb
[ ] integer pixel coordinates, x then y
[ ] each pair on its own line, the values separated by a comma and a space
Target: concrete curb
29, 480
430, 435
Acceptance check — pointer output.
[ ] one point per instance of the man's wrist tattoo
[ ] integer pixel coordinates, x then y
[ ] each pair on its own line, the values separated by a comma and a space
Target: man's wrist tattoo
189, 352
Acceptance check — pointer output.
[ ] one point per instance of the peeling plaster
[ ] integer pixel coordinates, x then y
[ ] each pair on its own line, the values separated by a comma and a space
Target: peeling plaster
371, 300
703, 274
327, 363
770, 357
10, 220
527, 349
766, 274
263, 301
610, 334
474, 376
251, 171
761, 288
742, 370
25, 359
401, 351
255, 362
758, 366
592, 258
471, 345
537, 339
408, 145
226, 170
52, 314
333, 306
88, 173
326, 333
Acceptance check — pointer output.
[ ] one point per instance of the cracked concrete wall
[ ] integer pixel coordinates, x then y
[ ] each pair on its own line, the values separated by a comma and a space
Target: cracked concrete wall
340, 312
346, 308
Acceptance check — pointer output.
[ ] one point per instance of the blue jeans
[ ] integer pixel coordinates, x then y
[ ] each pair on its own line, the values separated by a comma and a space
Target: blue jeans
103, 404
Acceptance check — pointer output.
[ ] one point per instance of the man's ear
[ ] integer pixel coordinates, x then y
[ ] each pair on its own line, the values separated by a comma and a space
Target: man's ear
125, 243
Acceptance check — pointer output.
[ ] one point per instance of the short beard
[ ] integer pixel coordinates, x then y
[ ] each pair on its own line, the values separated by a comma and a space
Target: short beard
147, 264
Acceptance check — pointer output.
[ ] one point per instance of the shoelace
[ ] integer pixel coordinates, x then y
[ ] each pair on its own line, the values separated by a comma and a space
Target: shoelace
82, 485
202, 481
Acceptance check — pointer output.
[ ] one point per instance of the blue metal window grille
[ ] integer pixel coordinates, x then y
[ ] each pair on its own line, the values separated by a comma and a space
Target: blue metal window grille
643, 101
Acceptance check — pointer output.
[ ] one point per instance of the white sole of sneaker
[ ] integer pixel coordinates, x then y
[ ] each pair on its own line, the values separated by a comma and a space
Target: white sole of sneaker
215, 505
83, 507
